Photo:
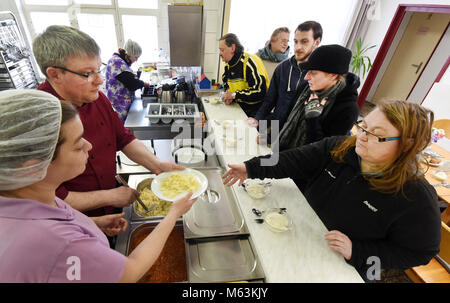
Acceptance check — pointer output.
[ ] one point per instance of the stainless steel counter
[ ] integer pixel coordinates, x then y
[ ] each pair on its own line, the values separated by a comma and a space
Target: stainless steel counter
218, 245
143, 129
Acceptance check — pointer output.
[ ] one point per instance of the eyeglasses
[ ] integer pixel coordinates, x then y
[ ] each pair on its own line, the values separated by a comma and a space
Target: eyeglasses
373, 136
89, 76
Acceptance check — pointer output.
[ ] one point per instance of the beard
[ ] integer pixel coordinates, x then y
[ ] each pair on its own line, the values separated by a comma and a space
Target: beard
304, 57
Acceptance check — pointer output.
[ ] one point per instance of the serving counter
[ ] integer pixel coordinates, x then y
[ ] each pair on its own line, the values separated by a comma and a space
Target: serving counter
299, 255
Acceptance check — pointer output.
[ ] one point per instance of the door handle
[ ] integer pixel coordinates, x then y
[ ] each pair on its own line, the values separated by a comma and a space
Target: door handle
417, 66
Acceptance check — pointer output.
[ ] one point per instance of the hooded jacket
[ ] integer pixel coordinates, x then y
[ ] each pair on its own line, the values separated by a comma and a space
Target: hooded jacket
287, 79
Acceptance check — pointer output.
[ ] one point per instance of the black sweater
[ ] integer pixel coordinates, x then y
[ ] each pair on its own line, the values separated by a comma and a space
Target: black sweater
128, 79
402, 232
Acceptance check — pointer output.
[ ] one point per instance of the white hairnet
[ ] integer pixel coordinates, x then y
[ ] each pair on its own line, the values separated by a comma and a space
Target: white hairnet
132, 48
29, 128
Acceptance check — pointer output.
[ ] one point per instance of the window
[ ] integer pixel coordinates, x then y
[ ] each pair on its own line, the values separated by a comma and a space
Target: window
262, 17
150, 4
101, 28
143, 30
42, 20
47, 2
93, 2
139, 20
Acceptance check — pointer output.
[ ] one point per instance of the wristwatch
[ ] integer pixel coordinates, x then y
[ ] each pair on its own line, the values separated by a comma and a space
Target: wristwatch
233, 95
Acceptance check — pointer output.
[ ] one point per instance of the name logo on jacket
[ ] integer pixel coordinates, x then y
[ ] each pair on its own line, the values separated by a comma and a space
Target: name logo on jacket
370, 206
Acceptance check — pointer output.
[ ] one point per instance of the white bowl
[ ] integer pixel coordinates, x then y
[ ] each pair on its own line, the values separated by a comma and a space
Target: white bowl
257, 189
277, 221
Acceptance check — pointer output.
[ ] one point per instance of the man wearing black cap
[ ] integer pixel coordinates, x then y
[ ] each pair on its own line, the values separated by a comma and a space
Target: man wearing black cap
327, 106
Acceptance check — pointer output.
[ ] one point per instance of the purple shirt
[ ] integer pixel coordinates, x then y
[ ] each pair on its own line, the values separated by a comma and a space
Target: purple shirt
42, 243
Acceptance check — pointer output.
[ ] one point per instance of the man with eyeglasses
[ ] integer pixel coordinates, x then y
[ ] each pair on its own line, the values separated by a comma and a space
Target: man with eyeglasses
70, 60
277, 48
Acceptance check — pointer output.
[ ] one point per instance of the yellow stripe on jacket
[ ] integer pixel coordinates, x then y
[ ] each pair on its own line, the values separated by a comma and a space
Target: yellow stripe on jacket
253, 72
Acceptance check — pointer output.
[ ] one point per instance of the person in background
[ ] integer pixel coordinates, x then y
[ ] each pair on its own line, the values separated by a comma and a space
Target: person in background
70, 60
277, 48
327, 106
121, 82
369, 190
288, 78
43, 238
245, 79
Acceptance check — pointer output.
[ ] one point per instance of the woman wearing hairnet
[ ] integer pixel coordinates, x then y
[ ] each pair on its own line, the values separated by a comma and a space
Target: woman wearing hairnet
121, 82
43, 238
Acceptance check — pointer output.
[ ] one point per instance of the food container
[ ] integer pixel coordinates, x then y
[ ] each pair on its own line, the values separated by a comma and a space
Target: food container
171, 264
168, 112
156, 214
215, 213
277, 220
223, 259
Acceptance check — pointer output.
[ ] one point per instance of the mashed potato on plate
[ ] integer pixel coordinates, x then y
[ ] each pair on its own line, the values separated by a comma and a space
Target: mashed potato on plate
178, 183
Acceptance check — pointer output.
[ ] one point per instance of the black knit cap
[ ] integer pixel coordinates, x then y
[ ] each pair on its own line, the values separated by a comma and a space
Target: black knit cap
333, 59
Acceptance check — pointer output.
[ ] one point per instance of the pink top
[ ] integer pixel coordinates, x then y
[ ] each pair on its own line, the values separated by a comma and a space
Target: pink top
42, 243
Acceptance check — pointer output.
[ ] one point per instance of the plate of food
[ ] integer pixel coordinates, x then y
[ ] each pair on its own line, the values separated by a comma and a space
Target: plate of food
172, 185
257, 189
277, 220
431, 161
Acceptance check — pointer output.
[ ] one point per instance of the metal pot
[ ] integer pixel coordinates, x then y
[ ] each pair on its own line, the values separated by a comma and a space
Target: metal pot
166, 94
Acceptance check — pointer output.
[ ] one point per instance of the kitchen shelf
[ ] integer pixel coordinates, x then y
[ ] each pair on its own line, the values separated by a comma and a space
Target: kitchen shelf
16, 70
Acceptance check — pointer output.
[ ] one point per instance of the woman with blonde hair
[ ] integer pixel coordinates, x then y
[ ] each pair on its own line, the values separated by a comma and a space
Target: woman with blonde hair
367, 189
277, 48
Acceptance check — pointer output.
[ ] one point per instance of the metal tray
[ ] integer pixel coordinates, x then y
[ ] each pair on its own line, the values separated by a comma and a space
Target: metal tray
215, 213
223, 259
172, 111
179, 261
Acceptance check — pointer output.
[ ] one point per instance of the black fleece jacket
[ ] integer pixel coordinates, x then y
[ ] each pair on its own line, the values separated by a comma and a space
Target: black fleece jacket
402, 231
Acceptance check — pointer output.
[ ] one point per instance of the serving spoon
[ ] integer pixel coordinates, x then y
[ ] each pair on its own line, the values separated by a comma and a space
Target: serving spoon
146, 209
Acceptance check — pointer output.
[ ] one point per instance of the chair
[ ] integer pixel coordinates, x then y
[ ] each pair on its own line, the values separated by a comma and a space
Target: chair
270, 67
443, 124
434, 272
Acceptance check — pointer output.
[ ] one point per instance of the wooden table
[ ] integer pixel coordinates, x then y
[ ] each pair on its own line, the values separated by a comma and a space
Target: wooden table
443, 192
434, 272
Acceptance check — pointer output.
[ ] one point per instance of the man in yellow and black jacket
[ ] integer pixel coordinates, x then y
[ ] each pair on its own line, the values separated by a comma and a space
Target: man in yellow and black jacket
245, 78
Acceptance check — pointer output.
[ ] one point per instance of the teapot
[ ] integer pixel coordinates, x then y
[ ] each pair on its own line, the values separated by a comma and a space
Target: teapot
180, 95
166, 94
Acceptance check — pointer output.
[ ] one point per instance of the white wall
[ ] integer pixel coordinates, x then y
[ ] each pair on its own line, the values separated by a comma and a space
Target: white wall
446, 77
213, 15
380, 24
